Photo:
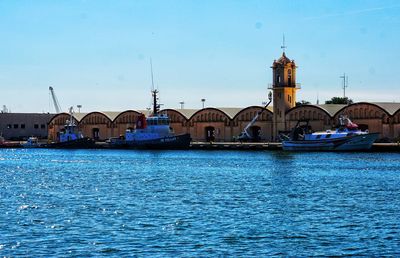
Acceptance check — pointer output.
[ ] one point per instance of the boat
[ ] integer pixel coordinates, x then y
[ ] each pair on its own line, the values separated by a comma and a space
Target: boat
347, 137
153, 132
8, 144
71, 138
32, 142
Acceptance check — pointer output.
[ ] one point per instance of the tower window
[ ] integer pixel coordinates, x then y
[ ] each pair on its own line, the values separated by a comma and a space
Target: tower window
278, 79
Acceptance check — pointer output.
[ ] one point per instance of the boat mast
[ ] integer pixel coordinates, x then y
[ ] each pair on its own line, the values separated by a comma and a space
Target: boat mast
153, 91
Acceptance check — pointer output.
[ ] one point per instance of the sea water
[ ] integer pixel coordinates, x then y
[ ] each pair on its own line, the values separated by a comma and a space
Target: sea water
198, 203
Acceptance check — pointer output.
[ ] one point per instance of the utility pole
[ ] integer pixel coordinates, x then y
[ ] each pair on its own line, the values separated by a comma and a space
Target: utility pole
345, 83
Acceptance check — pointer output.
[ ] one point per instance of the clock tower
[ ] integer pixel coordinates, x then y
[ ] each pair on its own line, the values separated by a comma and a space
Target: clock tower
284, 91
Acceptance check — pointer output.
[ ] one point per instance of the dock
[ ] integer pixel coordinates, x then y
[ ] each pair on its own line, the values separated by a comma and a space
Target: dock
236, 146
376, 147
253, 146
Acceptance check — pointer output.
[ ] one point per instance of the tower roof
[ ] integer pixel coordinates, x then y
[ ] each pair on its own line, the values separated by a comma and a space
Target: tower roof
283, 59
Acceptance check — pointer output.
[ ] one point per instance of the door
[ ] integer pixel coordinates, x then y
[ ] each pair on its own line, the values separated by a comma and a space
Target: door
210, 133
95, 133
255, 133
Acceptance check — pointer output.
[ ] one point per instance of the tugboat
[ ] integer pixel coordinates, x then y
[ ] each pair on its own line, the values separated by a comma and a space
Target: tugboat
70, 138
346, 137
153, 132
32, 142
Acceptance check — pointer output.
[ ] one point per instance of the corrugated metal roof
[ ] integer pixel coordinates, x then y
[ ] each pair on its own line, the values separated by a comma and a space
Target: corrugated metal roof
390, 107
187, 113
231, 112
78, 116
331, 108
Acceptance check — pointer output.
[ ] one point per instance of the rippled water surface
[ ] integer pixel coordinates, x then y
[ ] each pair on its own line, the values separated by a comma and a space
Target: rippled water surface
198, 203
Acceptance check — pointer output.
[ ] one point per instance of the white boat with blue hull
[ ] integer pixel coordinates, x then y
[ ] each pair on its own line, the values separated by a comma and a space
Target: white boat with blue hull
345, 138
71, 138
32, 142
153, 132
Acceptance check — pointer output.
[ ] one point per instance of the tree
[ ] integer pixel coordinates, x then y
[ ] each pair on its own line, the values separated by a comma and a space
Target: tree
303, 102
339, 100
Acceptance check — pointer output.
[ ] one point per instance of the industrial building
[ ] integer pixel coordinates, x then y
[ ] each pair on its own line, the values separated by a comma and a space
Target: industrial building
221, 124
20, 126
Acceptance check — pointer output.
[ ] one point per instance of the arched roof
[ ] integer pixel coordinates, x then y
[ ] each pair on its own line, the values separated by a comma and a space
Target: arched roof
362, 103
177, 111
94, 113
60, 114
246, 108
390, 107
309, 106
396, 113
126, 111
210, 108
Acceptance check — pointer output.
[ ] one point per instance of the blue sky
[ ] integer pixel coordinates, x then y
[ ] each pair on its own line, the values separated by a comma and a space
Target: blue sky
97, 53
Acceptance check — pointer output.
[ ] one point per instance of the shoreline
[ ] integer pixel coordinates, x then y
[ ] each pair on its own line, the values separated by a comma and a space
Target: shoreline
255, 146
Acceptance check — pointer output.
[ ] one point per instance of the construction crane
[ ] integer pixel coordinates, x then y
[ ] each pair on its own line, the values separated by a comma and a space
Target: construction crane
55, 100
245, 135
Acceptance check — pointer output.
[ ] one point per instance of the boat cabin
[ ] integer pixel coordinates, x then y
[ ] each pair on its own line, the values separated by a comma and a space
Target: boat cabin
69, 133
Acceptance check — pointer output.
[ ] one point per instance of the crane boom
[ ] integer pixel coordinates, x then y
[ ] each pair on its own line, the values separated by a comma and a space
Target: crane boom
245, 135
55, 100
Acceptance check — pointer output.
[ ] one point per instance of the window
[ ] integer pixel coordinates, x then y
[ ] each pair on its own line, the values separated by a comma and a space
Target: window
36, 126
42, 126
22, 126
15, 126
328, 136
318, 136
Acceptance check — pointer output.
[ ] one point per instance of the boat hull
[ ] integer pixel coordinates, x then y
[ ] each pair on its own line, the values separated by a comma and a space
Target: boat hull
350, 143
169, 142
83, 143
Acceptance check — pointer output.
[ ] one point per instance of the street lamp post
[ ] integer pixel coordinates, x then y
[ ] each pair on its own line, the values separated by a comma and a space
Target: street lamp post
182, 103
79, 108
203, 100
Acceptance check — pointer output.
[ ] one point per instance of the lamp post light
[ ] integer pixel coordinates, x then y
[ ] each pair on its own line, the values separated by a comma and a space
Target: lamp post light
79, 108
203, 100
182, 103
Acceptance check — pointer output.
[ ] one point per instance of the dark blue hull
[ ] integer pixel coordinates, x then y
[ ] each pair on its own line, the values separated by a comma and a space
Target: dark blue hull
84, 143
170, 142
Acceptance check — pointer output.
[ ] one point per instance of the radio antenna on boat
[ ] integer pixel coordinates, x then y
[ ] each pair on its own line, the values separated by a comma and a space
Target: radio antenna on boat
151, 71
